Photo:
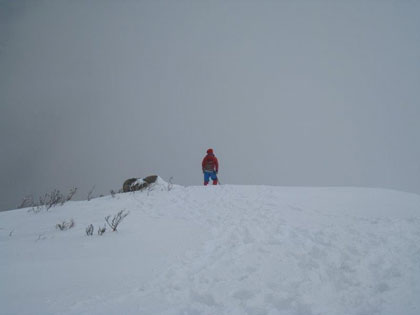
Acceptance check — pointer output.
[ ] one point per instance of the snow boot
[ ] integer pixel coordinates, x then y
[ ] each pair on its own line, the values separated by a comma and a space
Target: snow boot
215, 182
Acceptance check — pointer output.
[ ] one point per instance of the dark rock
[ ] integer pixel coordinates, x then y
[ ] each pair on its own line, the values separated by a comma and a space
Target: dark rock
134, 184
127, 184
150, 179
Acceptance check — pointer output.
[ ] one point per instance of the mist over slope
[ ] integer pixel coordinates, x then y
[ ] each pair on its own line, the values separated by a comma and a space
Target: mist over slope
217, 250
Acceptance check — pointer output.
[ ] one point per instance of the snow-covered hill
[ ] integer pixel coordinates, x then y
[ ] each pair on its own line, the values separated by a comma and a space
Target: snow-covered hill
217, 250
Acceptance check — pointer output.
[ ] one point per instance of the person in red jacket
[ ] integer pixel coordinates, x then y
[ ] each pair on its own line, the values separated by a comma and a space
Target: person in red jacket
210, 167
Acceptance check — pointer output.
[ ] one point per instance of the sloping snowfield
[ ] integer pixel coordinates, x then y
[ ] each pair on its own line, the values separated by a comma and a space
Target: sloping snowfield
217, 250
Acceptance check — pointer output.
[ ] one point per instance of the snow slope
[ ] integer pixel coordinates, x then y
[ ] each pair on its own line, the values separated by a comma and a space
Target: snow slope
218, 250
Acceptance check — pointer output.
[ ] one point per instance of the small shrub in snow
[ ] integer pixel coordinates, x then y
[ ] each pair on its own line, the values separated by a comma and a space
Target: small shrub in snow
89, 230
90, 193
52, 199
170, 184
65, 225
116, 220
49, 200
28, 201
101, 230
70, 195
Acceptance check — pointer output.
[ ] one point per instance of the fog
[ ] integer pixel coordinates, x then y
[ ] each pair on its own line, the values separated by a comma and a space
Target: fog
290, 93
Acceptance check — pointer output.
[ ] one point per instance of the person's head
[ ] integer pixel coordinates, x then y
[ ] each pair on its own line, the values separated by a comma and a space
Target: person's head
210, 151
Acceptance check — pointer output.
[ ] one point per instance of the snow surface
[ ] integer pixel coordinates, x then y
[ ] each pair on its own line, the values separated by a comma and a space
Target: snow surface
217, 250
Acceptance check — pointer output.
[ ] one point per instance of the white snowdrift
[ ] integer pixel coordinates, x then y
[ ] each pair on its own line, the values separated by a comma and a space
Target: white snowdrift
217, 250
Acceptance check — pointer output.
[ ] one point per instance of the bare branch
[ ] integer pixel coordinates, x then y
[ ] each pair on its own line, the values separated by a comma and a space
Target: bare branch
170, 184
70, 195
116, 220
65, 225
89, 197
101, 230
89, 230
28, 201
52, 199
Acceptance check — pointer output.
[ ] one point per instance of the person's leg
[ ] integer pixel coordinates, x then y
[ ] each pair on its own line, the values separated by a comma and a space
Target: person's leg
206, 178
214, 178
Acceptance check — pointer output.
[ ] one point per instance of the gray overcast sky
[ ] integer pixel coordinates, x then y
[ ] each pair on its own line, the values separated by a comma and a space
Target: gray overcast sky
311, 93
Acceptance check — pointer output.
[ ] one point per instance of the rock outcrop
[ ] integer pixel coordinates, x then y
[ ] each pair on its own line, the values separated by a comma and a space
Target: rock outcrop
134, 184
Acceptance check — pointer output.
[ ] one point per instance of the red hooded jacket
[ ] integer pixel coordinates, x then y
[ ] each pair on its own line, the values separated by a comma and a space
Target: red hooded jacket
210, 162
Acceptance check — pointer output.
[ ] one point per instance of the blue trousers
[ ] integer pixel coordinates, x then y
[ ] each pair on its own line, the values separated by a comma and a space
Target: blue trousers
208, 175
